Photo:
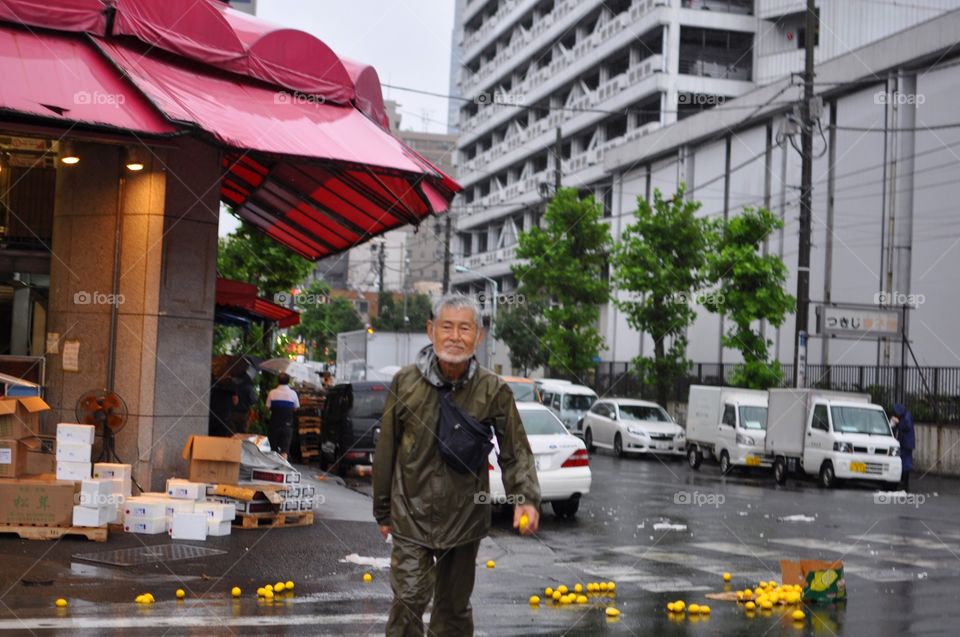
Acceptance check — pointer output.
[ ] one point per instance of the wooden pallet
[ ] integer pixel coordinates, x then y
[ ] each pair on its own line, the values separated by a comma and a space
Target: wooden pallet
95, 534
270, 520
309, 429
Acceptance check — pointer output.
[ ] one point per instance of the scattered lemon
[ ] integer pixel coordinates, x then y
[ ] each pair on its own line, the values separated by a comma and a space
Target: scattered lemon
679, 605
491, 564
181, 593
139, 599
581, 599
727, 577
611, 586
268, 594
798, 615
556, 596
793, 597
578, 588
61, 603
612, 612
548, 592
766, 604
563, 589
566, 599
534, 600
278, 587
367, 578
604, 586
750, 606
289, 585
235, 591
261, 592
748, 594
268, 587
670, 607
704, 610
149, 598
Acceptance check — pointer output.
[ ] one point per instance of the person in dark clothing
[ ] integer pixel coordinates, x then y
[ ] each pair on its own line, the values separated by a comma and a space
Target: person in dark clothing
223, 398
908, 442
282, 402
246, 398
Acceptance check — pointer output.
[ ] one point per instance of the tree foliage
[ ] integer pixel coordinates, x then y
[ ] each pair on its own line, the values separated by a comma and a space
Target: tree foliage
390, 317
564, 266
322, 318
661, 260
522, 328
252, 257
750, 288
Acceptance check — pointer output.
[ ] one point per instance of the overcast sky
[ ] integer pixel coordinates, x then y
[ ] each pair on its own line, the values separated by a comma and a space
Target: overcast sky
407, 41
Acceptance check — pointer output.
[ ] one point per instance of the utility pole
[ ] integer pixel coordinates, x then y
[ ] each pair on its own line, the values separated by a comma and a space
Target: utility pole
558, 156
806, 196
447, 256
381, 262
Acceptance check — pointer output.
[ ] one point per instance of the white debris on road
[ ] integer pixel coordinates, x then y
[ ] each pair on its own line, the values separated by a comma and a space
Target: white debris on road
797, 518
668, 526
376, 562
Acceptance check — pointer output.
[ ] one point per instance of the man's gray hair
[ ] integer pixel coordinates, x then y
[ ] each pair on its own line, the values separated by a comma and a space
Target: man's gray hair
457, 302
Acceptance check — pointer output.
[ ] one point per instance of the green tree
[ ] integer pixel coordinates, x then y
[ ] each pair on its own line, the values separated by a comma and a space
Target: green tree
523, 329
322, 318
390, 317
252, 257
565, 261
661, 261
750, 288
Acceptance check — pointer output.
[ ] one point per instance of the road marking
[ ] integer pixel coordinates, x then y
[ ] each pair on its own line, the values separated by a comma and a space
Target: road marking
915, 542
859, 550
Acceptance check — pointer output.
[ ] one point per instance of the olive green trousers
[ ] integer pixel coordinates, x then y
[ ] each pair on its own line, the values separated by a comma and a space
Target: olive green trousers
418, 574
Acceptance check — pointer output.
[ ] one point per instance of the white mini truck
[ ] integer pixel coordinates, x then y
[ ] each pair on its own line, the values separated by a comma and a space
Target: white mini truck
830, 435
726, 424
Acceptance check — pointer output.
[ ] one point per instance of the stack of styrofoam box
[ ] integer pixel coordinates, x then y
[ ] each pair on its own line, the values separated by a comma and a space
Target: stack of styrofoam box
74, 447
220, 515
99, 503
185, 521
298, 498
145, 514
114, 471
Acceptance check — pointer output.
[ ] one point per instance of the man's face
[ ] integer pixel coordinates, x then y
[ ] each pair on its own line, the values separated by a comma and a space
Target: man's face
454, 334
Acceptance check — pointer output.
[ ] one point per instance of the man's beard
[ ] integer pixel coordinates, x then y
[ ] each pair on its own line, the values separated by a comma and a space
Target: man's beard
453, 358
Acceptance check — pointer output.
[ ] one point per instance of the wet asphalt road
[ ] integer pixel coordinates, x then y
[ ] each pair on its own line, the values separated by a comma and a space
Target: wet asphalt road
660, 530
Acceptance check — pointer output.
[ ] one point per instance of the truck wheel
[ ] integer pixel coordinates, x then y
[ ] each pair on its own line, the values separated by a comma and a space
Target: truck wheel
780, 471
588, 440
694, 457
618, 445
827, 477
725, 466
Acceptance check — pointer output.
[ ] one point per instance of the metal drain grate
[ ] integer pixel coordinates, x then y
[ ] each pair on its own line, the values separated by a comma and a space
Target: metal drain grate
148, 554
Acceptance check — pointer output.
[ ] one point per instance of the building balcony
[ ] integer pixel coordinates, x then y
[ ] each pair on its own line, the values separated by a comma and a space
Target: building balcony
493, 263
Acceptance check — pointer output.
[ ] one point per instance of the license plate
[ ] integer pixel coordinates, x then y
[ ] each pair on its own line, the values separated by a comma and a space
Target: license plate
858, 467
753, 461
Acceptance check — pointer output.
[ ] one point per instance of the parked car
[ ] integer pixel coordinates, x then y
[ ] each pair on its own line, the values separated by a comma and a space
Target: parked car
569, 402
351, 424
540, 382
524, 390
563, 465
630, 426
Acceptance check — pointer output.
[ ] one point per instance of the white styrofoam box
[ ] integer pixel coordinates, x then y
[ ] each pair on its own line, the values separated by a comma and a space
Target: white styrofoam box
217, 511
306, 504
174, 506
116, 485
72, 432
145, 526
73, 470
115, 514
290, 505
116, 471
188, 526
74, 451
307, 492
144, 507
186, 490
92, 516
292, 492
97, 493
218, 529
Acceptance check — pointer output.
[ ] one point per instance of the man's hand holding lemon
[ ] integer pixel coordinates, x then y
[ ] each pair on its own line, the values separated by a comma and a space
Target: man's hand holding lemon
526, 519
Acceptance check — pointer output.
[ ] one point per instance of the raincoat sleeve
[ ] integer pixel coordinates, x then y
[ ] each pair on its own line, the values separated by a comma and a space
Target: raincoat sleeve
516, 458
385, 457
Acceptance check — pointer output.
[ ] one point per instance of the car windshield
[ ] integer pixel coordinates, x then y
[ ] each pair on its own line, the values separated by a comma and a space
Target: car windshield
541, 422
857, 420
753, 418
368, 403
523, 392
643, 412
577, 402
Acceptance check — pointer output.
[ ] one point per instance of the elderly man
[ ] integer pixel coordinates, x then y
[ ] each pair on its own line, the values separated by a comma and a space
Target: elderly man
430, 483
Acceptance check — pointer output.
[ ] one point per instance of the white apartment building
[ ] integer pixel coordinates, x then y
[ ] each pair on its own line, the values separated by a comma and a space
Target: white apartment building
619, 77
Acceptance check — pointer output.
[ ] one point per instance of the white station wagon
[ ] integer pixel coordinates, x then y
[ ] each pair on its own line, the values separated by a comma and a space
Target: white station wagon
629, 426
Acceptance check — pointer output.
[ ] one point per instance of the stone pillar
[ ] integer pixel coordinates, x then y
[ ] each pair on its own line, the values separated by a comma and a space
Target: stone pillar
168, 216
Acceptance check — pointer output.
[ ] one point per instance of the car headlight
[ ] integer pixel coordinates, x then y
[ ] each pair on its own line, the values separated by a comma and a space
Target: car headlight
843, 447
680, 436
745, 440
636, 431
893, 451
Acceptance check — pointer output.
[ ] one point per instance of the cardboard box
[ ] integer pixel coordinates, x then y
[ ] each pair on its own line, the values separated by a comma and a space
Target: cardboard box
218, 529
144, 508
276, 477
93, 516
822, 581
213, 460
145, 526
20, 417
217, 511
186, 490
76, 433
13, 458
73, 451
115, 471
73, 470
41, 460
35, 501
188, 526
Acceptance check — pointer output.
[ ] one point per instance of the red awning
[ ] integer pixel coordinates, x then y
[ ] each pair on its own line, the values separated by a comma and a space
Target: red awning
61, 77
63, 15
243, 296
369, 97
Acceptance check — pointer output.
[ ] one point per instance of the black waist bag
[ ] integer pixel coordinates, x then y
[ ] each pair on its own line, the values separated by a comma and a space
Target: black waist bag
464, 442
